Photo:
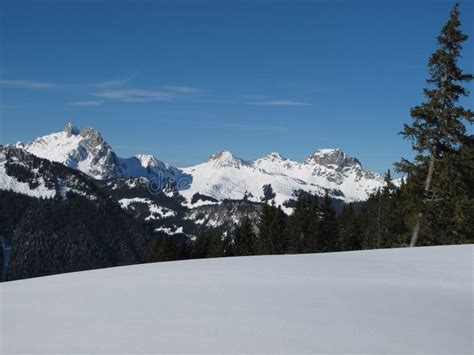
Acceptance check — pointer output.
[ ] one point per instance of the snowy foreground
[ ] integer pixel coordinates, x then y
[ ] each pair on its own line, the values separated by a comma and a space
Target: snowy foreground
388, 301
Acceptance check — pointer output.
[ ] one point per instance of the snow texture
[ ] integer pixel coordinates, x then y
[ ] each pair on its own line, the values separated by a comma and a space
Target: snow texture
416, 300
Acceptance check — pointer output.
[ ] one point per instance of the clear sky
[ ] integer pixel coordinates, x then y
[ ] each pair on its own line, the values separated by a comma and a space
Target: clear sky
182, 79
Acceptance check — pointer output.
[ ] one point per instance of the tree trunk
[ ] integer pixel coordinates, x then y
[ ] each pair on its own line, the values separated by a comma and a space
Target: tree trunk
379, 231
429, 178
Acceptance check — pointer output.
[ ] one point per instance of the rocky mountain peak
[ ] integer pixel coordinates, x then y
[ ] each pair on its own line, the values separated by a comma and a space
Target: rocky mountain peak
225, 158
91, 134
275, 156
71, 130
332, 158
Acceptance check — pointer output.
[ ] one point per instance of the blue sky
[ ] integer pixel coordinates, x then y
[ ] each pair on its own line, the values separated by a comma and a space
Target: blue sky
182, 79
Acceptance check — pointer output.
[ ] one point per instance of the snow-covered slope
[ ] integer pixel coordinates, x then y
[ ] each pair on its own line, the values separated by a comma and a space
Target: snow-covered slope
24, 173
10, 182
403, 301
88, 152
156, 212
225, 176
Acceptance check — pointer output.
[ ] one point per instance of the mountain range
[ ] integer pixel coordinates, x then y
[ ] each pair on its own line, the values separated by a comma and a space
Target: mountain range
204, 194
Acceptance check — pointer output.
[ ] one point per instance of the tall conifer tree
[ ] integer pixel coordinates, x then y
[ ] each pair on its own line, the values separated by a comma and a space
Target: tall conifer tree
438, 124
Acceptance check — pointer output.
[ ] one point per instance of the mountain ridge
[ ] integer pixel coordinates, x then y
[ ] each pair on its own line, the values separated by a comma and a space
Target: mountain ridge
224, 176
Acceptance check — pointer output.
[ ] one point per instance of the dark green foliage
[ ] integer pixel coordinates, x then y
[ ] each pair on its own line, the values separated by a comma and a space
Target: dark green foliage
438, 122
272, 237
350, 234
200, 197
245, 242
438, 129
1, 261
328, 235
449, 218
303, 226
169, 248
268, 193
53, 236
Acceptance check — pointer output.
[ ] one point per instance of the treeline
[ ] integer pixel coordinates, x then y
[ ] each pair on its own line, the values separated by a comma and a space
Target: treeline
385, 220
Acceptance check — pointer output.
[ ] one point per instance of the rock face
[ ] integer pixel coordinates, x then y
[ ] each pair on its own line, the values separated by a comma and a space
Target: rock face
333, 159
84, 150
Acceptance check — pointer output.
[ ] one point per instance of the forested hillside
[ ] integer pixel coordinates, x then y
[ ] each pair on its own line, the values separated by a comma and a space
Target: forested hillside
51, 236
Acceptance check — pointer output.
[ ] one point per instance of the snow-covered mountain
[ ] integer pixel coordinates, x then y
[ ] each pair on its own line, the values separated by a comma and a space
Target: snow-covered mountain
223, 177
24, 173
88, 152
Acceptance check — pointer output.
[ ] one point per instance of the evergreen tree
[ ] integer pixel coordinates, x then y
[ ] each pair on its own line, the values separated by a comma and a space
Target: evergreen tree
349, 231
1, 260
328, 236
245, 239
201, 247
302, 229
451, 218
228, 246
271, 230
216, 245
268, 193
383, 215
438, 124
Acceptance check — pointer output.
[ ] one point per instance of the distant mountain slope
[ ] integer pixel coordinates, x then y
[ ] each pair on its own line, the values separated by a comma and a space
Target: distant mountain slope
396, 301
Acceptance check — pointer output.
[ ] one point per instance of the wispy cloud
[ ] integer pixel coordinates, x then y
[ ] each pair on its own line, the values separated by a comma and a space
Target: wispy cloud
26, 84
135, 95
88, 103
114, 82
279, 103
31, 84
183, 89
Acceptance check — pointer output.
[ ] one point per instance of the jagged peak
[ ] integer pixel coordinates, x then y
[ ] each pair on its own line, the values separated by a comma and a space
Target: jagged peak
89, 131
71, 129
222, 154
225, 158
275, 156
92, 138
147, 160
332, 157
